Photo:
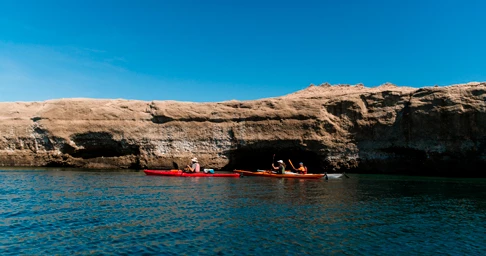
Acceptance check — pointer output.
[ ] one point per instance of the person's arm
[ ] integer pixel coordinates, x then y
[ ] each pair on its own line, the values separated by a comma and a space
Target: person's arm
190, 168
275, 168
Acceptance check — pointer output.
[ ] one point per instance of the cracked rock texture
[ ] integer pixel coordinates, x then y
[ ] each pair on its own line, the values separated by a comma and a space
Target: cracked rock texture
391, 129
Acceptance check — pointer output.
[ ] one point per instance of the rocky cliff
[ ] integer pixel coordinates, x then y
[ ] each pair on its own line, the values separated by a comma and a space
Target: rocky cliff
433, 130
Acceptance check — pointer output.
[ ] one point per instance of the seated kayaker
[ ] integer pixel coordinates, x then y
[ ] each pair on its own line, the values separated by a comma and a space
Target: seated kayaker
280, 168
194, 167
302, 169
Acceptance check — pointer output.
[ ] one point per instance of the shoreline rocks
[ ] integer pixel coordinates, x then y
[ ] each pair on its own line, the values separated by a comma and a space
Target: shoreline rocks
386, 129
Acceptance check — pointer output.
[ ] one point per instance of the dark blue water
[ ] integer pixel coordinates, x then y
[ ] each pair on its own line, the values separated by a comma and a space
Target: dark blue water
72, 212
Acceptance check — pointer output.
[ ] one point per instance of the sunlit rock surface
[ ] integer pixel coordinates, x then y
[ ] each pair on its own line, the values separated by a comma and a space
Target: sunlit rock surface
431, 130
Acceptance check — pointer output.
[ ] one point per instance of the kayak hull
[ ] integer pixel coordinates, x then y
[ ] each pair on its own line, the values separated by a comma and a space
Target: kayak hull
274, 175
179, 173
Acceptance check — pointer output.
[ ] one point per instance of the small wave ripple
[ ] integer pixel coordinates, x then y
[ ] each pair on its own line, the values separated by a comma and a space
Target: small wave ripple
69, 212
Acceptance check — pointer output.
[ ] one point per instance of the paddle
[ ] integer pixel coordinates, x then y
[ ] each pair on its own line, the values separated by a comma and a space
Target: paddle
291, 164
273, 161
293, 167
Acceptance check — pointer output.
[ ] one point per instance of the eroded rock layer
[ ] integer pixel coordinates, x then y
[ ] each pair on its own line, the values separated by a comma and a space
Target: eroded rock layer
434, 130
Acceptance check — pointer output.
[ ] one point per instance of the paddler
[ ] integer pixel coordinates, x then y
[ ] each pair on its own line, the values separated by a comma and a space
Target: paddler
194, 167
302, 169
280, 168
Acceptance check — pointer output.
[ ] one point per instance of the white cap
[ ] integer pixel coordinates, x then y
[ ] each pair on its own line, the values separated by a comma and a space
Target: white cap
280, 161
194, 160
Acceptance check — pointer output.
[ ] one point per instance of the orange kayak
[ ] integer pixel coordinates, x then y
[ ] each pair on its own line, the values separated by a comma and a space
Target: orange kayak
274, 175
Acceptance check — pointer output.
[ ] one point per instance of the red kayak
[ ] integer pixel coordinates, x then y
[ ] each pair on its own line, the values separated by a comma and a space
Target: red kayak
188, 174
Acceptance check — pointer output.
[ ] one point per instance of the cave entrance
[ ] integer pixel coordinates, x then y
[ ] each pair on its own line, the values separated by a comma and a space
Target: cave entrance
250, 158
99, 144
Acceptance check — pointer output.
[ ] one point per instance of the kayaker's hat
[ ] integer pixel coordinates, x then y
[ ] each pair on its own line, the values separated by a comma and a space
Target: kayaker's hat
301, 163
280, 161
194, 160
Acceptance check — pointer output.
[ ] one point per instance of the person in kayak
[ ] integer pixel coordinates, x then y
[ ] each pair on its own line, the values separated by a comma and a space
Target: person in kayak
194, 167
280, 168
302, 169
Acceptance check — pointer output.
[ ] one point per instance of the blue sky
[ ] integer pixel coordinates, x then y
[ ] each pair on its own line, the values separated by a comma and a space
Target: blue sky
224, 50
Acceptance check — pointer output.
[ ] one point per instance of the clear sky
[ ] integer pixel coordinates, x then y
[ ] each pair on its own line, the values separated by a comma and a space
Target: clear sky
224, 50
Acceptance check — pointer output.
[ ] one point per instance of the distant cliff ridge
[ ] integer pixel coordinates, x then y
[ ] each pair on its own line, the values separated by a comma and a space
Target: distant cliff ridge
391, 129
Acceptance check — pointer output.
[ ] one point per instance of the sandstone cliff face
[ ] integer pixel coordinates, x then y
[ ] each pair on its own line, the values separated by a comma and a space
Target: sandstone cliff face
435, 130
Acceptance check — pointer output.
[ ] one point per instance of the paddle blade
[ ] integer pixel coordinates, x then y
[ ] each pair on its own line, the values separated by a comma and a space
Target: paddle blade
291, 164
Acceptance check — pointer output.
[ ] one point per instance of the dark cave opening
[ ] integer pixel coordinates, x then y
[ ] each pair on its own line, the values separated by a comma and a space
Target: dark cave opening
100, 144
253, 158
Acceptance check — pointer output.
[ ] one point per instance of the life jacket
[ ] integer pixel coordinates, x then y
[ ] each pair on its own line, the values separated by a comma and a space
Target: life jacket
302, 171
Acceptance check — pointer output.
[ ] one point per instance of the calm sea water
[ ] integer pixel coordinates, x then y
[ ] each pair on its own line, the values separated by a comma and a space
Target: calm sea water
73, 212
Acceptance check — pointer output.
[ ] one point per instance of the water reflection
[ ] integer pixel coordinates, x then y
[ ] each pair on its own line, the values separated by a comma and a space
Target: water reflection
63, 212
